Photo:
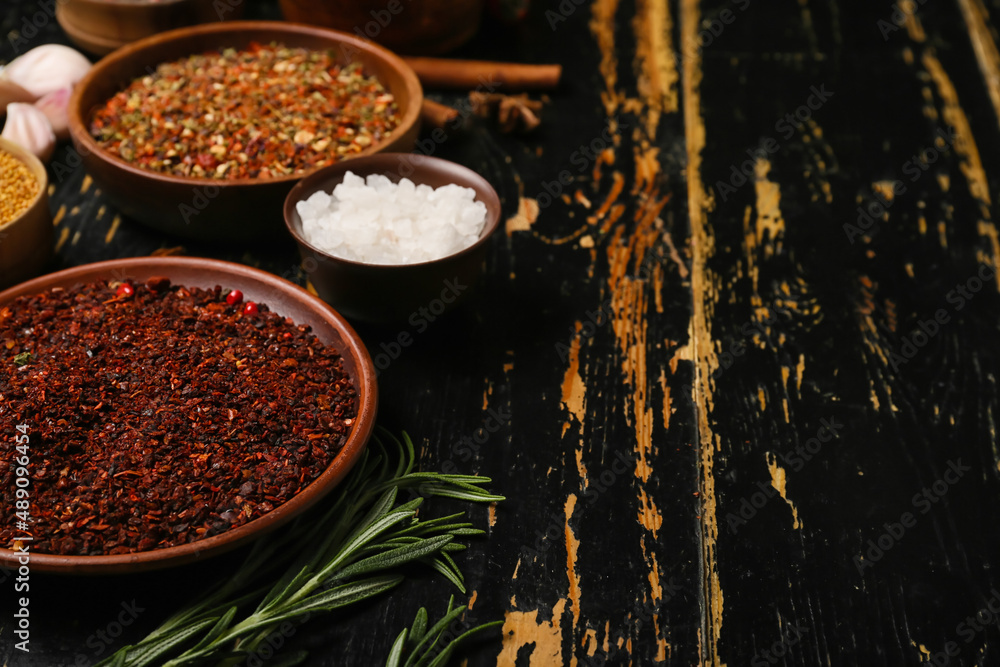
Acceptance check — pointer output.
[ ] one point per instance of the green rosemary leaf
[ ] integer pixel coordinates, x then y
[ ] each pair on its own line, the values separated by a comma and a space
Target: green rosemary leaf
362, 537
395, 558
430, 639
137, 656
217, 629
281, 590
445, 492
419, 628
443, 569
451, 563
340, 596
447, 651
396, 654
467, 532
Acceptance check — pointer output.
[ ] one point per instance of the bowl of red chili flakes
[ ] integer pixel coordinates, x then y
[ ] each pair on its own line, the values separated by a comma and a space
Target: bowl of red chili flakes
202, 131
160, 411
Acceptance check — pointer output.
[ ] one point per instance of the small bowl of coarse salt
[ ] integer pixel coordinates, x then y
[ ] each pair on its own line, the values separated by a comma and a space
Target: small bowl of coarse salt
393, 237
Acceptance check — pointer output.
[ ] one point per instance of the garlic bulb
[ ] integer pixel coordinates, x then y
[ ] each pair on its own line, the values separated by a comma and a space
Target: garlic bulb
11, 92
55, 107
29, 128
46, 68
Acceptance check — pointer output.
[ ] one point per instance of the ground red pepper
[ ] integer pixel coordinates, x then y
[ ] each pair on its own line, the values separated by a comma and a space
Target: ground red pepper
263, 112
160, 417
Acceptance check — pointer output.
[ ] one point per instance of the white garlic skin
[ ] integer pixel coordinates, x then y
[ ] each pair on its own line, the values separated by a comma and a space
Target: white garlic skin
29, 128
55, 106
46, 68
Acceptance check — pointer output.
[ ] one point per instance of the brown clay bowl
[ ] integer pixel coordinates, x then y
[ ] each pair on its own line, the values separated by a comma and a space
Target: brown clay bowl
101, 26
394, 293
213, 209
26, 241
413, 27
281, 297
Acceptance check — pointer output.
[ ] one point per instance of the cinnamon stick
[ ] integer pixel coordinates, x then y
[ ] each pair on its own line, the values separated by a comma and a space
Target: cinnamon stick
435, 114
484, 75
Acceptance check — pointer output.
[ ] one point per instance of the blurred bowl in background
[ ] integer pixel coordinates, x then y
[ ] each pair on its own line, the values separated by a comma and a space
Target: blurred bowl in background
394, 292
101, 26
411, 27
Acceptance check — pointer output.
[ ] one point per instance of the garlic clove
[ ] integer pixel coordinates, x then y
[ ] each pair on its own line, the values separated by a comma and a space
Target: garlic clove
55, 106
46, 68
29, 128
11, 92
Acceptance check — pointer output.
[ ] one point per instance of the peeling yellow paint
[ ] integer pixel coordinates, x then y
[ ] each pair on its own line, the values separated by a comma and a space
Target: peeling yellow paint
115, 222
665, 388
778, 481
574, 391
572, 547
655, 60
521, 628
649, 515
978, 23
912, 22
602, 26
769, 218
965, 143
527, 214
706, 361
63, 237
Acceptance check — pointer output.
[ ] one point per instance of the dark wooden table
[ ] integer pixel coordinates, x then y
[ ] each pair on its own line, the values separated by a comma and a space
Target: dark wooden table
739, 386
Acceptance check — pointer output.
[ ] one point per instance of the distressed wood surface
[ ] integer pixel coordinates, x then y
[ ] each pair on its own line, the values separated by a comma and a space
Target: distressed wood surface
733, 362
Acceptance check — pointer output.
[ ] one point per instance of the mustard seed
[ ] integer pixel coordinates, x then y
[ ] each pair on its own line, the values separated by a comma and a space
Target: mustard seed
18, 187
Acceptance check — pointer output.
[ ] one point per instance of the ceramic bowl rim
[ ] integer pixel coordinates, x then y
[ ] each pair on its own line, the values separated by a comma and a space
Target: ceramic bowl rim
418, 161
79, 118
338, 468
37, 170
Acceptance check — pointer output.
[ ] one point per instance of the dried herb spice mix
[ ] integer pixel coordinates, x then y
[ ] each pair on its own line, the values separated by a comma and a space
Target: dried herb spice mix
160, 415
264, 112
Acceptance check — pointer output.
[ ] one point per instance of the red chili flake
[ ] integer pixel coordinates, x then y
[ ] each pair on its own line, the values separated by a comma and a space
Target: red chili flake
234, 297
264, 112
162, 419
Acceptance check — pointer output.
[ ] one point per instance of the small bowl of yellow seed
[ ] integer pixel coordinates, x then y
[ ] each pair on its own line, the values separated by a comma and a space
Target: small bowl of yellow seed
25, 221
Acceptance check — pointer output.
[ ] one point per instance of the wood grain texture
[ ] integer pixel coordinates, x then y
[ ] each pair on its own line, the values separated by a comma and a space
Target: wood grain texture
734, 362
825, 313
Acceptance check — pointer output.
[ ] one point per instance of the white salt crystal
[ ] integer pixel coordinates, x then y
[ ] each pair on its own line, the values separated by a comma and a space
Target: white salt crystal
381, 222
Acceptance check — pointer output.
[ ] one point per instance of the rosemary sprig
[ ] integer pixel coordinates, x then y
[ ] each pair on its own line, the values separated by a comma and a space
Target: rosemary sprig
423, 643
355, 551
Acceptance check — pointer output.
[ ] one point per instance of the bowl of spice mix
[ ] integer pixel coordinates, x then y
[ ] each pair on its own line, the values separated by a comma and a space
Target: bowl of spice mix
25, 221
155, 411
101, 26
203, 131
393, 237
